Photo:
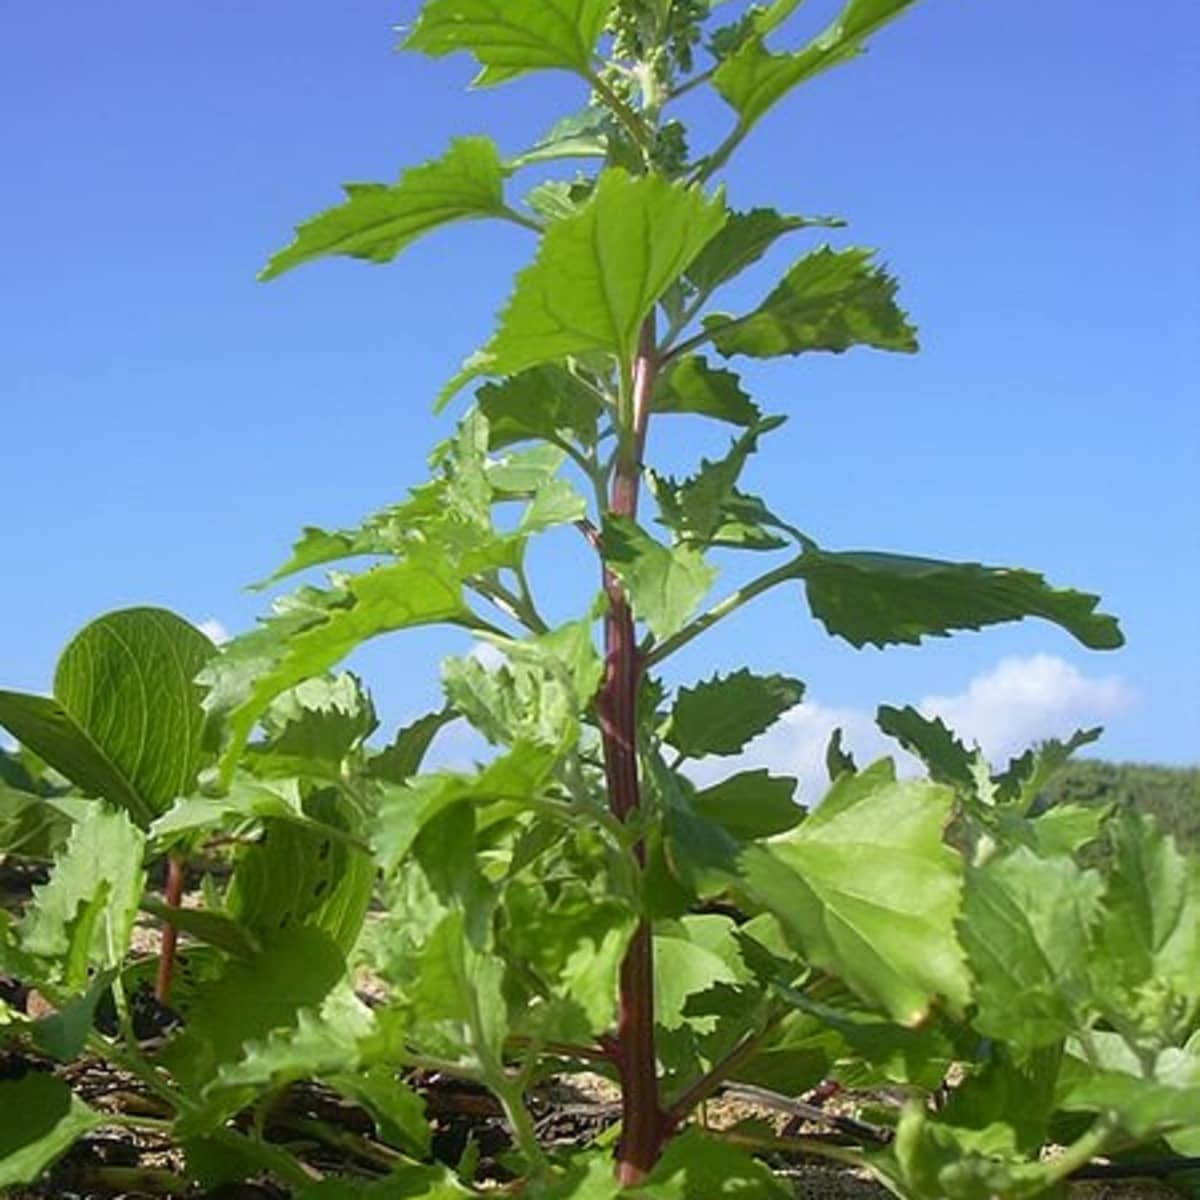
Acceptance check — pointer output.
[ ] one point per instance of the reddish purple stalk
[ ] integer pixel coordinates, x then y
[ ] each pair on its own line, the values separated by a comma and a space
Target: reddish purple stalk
172, 895
645, 1126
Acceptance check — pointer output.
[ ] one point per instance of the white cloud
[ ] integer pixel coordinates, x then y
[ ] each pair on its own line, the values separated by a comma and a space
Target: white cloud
1017, 702
214, 630
1026, 700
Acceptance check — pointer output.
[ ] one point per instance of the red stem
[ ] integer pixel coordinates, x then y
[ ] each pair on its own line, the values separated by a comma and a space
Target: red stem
645, 1127
172, 895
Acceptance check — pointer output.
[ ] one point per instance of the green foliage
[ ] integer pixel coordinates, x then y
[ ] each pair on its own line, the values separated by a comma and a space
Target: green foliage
575, 898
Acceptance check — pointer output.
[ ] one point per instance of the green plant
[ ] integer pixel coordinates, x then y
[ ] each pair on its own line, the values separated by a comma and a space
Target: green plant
577, 901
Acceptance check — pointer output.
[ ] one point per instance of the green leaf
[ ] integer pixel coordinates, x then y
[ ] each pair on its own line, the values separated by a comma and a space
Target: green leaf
29, 826
377, 221
210, 926
747, 236
43, 1118
683, 968
506, 41
928, 738
754, 79
514, 779
581, 135
599, 274
692, 386
829, 300
301, 875
126, 721
250, 999
665, 584
63, 1034
722, 715
890, 599
314, 630
312, 728
83, 915
543, 402
51, 732
698, 1166
1027, 928
700, 509
751, 804
397, 1110
867, 890
402, 757
1148, 962
1026, 777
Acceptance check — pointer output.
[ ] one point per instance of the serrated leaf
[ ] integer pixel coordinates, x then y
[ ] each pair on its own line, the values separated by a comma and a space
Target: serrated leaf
513, 779
312, 728
543, 402
83, 915
722, 715
746, 237
402, 757
1025, 777
581, 135
830, 300
314, 630
598, 274
700, 509
691, 385
1027, 927
43, 1118
838, 761
126, 720
867, 890
506, 41
683, 969
376, 221
751, 804
929, 739
699, 1166
252, 998
397, 1110
754, 79
665, 584
891, 599
210, 926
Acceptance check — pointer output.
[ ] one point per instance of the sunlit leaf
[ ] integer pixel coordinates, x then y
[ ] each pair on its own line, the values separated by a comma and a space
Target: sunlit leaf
377, 221
599, 274
508, 39
665, 584
829, 300
868, 891
754, 79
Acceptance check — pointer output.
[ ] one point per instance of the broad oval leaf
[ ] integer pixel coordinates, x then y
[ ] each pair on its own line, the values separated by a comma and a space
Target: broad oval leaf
868, 891
376, 220
126, 722
508, 38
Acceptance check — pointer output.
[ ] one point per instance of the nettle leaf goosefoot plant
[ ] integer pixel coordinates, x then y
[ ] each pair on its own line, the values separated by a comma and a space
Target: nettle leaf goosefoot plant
1019, 978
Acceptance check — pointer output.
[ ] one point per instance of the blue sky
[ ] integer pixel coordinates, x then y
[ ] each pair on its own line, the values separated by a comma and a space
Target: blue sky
1028, 170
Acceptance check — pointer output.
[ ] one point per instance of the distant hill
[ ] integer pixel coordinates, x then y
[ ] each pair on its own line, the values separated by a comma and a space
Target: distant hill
1171, 794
